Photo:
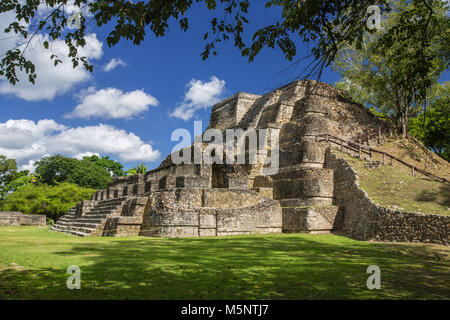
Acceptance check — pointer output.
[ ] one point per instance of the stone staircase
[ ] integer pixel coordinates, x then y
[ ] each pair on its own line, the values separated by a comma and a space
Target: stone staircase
93, 222
63, 224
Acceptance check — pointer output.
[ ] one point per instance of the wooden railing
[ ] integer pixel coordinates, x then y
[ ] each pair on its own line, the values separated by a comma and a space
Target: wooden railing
363, 149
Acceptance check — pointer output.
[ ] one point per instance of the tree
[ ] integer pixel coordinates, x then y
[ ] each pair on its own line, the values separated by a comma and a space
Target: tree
115, 168
328, 24
433, 126
54, 169
139, 169
10, 178
382, 79
85, 173
15, 180
6, 167
90, 175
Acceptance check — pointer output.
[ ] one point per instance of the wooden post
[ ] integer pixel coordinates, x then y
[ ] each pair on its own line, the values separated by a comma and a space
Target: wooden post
359, 147
384, 161
342, 145
327, 137
379, 134
413, 171
392, 162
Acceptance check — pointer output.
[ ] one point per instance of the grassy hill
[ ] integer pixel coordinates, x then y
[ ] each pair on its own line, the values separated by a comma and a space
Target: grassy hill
33, 265
396, 187
415, 153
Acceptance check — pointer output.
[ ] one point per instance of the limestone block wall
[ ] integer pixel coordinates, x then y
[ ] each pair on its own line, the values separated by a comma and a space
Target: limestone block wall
165, 216
363, 219
14, 218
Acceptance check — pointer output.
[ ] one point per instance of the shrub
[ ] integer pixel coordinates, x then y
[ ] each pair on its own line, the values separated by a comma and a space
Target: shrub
53, 201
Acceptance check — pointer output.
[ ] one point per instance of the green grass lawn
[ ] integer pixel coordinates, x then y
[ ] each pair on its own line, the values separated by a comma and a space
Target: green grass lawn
33, 265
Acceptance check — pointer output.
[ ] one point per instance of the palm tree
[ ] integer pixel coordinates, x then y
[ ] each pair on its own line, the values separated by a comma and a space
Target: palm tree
140, 168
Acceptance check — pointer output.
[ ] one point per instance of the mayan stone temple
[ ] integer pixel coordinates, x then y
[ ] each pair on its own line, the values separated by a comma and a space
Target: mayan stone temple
308, 193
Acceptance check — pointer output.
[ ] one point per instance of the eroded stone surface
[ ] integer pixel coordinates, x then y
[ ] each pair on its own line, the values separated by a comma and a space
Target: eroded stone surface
15, 218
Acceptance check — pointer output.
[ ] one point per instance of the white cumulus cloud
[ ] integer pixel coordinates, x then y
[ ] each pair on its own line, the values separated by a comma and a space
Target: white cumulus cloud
200, 95
28, 141
114, 63
112, 103
51, 81
80, 156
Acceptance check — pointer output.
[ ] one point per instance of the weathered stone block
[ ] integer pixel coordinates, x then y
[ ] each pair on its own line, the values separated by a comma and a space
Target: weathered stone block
203, 232
207, 220
227, 198
303, 183
239, 182
309, 219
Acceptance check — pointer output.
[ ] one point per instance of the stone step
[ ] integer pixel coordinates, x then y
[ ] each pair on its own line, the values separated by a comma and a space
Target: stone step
67, 217
100, 211
83, 224
109, 208
91, 220
65, 220
59, 229
99, 218
86, 230
99, 214
96, 216
64, 224
78, 231
112, 201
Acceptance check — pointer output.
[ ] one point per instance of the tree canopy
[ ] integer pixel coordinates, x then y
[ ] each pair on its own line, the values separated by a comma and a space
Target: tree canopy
85, 173
381, 79
114, 168
10, 177
432, 126
328, 25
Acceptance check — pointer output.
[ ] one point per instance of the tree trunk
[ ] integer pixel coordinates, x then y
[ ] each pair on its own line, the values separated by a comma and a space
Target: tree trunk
405, 122
404, 118
404, 127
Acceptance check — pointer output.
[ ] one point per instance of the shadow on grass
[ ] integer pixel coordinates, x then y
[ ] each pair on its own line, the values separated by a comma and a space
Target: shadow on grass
441, 196
260, 267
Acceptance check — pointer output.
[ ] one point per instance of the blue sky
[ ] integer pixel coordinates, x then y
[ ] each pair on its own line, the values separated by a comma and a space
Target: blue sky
129, 111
